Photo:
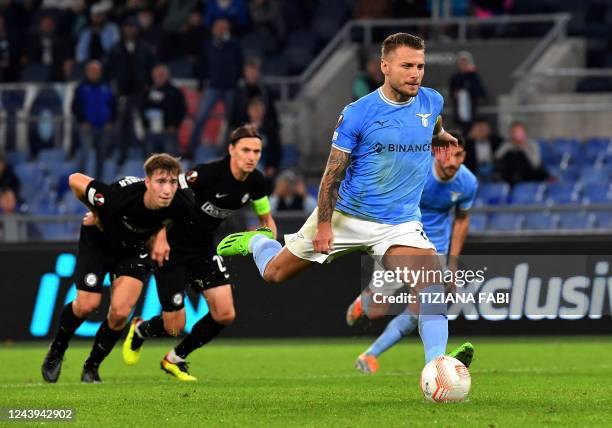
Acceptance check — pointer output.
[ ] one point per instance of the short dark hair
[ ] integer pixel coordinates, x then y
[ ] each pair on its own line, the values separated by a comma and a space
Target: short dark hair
244, 131
396, 40
459, 136
164, 162
518, 123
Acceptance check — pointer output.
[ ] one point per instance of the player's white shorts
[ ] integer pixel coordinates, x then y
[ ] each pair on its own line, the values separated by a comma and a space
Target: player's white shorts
356, 234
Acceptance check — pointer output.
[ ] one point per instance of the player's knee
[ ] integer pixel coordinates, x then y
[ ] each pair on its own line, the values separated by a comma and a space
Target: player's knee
273, 275
118, 316
225, 317
82, 309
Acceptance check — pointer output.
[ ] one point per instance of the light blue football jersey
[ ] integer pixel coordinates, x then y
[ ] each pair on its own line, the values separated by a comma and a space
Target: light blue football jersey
439, 200
390, 147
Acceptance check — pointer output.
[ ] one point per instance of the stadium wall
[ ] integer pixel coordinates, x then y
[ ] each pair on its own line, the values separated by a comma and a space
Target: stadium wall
36, 283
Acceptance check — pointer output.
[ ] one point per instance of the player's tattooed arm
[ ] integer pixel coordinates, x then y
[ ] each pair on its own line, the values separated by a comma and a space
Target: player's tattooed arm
441, 141
330, 183
78, 184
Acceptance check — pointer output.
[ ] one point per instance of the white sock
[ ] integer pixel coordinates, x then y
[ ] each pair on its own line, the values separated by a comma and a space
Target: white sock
173, 358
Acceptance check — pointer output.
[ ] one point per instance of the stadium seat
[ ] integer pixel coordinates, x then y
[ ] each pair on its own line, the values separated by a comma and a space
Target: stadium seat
590, 176
528, 193
15, 158
569, 173
550, 157
504, 222
51, 157
539, 221
71, 205
563, 193
597, 194
478, 222
603, 219
32, 178
291, 156
275, 65
35, 73
131, 168
494, 193
576, 220
205, 153
109, 171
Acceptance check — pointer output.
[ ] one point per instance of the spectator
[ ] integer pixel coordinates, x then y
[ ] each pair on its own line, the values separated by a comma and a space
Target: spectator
268, 14
480, 149
163, 110
519, 158
9, 52
150, 33
48, 49
94, 107
177, 13
8, 178
97, 40
132, 61
290, 194
252, 87
222, 64
234, 11
368, 81
272, 149
467, 90
190, 40
8, 202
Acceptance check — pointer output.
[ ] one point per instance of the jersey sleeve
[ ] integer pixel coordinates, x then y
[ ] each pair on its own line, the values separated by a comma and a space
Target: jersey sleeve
468, 201
198, 177
348, 129
259, 200
100, 196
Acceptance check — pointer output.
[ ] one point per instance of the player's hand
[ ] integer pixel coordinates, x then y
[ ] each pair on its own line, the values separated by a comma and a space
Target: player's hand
323, 241
160, 249
442, 147
91, 219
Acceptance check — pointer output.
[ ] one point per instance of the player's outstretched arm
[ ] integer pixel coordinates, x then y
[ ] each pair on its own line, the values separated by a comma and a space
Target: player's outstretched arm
78, 184
160, 249
337, 163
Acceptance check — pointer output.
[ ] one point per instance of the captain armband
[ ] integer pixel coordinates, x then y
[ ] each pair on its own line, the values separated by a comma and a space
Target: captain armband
261, 206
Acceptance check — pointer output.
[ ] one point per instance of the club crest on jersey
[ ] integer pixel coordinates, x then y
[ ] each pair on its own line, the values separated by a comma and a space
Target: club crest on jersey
191, 176
424, 118
99, 199
245, 198
455, 196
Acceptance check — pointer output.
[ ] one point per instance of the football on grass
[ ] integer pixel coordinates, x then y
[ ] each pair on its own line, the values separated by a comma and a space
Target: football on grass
445, 379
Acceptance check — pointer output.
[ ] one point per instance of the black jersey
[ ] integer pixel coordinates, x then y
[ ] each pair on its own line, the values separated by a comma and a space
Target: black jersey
124, 217
217, 196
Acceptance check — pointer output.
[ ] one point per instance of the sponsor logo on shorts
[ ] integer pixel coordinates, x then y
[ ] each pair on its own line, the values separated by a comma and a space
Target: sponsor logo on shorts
91, 279
177, 299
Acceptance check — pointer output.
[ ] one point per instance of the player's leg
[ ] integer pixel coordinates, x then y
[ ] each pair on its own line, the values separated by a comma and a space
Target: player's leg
72, 316
433, 323
170, 282
125, 293
88, 277
399, 327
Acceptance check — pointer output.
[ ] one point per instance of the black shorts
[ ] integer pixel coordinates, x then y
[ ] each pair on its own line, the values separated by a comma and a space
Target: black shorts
95, 259
200, 273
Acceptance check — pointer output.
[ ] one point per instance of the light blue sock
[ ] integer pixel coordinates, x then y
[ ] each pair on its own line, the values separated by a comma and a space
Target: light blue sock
433, 323
397, 328
263, 249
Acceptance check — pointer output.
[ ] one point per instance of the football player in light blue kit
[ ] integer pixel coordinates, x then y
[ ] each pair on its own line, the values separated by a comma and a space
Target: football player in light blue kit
448, 195
370, 191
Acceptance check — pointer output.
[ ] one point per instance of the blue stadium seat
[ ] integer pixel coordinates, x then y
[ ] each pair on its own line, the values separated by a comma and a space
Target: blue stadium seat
590, 176
131, 168
539, 221
494, 193
109, 171
12, 100
570, 173
291, 156
597, 194
603, 219
15, 158
563, 193
567, 146
71, 205
45, 130
550, 157
313, 189
576, 220
478, 222
528, 193
504, 222
597, 147
32, 178
205, 153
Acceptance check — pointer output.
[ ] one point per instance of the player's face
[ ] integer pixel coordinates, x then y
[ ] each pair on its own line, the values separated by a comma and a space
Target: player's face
161, 187
246, 154
451, 165
404, 69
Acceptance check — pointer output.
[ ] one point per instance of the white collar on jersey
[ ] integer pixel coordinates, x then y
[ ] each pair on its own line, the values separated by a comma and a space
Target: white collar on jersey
394, 103
440, 179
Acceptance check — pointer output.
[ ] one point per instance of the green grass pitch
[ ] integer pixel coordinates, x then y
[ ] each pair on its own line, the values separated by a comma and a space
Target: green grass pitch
555, 381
